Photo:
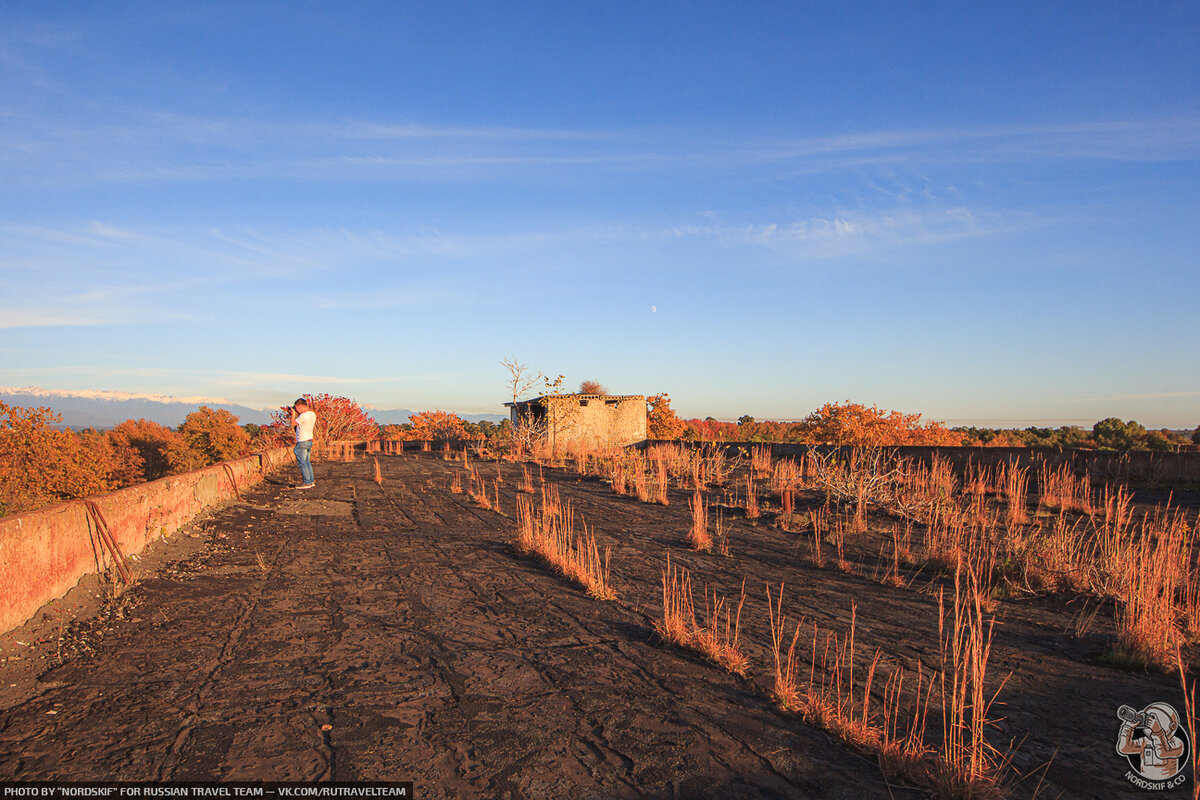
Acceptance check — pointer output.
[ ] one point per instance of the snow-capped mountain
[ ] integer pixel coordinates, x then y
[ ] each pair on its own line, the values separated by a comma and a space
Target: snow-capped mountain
105, 409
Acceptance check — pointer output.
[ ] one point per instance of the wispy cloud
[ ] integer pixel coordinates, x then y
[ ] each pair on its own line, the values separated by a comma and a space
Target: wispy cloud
1163, 139
108, 231
128, 275
1140, 396
54, 317
217, 377
853, 234
163, 146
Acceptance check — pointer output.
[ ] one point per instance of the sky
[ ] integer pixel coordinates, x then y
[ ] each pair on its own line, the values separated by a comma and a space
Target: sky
986, 213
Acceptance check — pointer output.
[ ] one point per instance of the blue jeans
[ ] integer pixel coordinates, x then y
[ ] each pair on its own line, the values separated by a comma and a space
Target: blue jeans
302, 451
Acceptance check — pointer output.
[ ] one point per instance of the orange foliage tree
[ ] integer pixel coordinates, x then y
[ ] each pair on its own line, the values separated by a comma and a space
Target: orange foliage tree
150, 441
430, 425
40, 464
214, 435
661, 420
114, 459
338, 419
856, 424
833, 423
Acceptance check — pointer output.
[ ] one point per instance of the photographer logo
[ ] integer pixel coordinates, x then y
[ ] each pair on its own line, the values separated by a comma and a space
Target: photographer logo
1155, 745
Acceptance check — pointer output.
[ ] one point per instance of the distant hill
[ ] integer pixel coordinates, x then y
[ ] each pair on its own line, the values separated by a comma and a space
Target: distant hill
99, 409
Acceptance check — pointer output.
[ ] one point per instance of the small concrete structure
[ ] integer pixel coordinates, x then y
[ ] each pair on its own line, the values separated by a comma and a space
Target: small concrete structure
596, 421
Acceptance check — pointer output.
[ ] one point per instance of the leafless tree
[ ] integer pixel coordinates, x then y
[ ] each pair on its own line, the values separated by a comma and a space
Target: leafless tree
522, 379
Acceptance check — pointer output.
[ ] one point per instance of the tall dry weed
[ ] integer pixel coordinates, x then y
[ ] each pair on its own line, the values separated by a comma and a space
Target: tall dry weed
698, 536
549, 533
760, 460
717, 636
967, 762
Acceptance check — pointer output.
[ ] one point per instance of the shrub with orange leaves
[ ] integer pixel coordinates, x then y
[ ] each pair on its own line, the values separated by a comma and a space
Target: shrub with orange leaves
338, 419
433, 425
856, 424
661, 420
115, 458
213, 435
40, 464
833, 423
150, 441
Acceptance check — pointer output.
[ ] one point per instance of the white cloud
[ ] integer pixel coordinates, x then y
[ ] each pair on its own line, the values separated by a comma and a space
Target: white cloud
53, 317
1141, 396
108, 231
850, 234
149, 145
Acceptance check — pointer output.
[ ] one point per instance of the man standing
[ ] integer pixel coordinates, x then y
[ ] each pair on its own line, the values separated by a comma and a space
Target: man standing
304, 420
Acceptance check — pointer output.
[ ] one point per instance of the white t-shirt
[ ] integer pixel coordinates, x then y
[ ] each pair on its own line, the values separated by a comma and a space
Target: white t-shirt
304, 426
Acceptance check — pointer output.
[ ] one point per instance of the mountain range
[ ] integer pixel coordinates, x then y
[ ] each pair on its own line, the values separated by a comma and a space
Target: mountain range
103, 409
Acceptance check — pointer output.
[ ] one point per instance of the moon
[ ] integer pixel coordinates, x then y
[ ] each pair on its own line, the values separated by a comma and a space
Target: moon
653, 309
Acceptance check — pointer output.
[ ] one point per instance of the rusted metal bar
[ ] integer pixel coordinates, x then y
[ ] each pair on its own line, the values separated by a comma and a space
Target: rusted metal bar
107, 538
232, 480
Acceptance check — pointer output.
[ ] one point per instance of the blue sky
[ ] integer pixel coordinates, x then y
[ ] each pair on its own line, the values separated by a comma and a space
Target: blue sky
986, 213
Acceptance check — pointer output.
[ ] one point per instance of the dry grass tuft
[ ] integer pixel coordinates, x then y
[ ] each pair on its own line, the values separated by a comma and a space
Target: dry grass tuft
698, 536
753, 509
660, 484
478, 491
967, 764
717, 637
641, 486
833, 700
1060, 488
549, 534
760, 460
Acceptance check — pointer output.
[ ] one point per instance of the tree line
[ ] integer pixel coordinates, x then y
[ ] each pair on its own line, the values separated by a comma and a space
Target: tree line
42, 463
855, 424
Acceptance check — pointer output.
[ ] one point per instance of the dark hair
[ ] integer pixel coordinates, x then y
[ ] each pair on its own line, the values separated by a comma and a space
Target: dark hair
300, 401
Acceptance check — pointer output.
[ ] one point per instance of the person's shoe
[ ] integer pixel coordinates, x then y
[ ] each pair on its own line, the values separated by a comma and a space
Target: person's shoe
306, 486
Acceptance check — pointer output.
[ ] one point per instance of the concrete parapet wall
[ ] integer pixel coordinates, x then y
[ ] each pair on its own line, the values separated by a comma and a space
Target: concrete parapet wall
44, 553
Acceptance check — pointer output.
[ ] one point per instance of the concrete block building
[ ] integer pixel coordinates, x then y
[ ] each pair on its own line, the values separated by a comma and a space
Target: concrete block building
596, 420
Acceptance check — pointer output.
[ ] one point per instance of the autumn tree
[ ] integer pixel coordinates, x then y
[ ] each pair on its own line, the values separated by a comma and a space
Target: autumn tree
338, 419
710, 429
856, 424
151, 441
394, 431
592, 387
661, 420
114, 458
431, 425
214, 435
40, 464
